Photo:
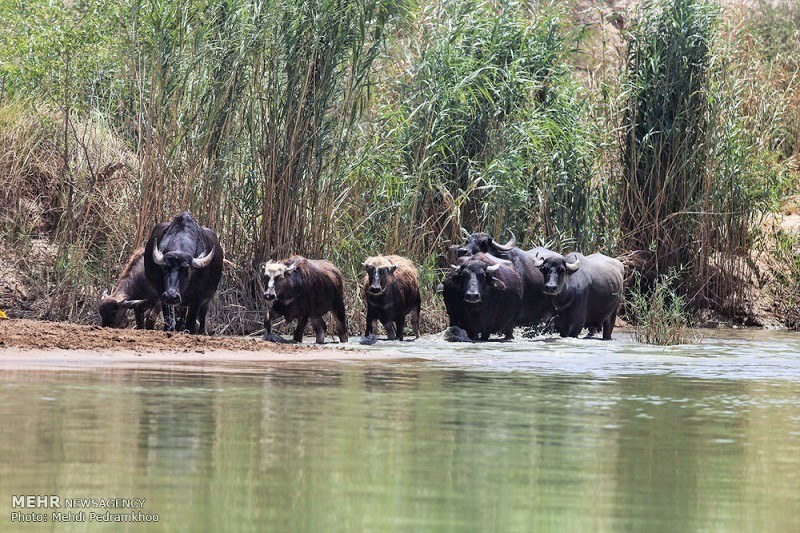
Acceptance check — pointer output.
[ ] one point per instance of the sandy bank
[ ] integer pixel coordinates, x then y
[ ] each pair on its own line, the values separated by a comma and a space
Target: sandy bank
38, 345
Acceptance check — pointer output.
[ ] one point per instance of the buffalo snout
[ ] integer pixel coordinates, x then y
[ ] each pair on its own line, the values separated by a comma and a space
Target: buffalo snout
461, 252
472, 297
375, 289
171, 297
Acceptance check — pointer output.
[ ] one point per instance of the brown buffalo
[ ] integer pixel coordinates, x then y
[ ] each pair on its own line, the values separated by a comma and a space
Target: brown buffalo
392, 292
132, 292
303, 289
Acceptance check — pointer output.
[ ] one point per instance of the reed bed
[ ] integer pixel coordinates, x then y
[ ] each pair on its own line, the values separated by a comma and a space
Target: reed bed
344, 129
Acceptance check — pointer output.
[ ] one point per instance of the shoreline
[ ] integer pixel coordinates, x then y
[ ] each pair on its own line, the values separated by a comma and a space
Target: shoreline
55, 359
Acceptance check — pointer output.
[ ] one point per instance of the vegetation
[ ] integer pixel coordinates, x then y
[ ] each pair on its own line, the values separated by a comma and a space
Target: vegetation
658, 313
345, 129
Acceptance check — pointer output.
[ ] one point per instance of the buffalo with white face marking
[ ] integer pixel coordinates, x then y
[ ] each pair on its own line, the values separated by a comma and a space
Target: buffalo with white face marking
483, 296
183, 264
586, 291
535, 308
131, 292
303, 289
392, 292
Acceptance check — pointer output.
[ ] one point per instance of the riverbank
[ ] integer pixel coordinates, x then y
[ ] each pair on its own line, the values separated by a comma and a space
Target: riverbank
40, 345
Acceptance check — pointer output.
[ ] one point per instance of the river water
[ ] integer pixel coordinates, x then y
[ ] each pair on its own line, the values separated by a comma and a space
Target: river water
544, 434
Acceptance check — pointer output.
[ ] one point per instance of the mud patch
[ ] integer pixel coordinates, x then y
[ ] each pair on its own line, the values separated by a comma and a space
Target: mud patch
37, 335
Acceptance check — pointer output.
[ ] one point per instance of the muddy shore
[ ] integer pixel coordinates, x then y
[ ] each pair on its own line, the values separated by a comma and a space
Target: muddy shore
39, 345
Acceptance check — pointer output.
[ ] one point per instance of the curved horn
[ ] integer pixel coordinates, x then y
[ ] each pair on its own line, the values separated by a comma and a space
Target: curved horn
158, 257
507, 246
573, 266
455, 268
130, 304
492, 269
466, 233
204, 260
538, 261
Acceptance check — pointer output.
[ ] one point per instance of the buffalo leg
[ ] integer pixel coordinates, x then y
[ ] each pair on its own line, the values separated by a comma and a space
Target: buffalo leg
415, 321
139, 314
390, 332
576, 323
319, 329
509, 332
201, 317
370, 327
608, 326
485, 336
301, 327
400, 325
340, 317
267, 322
191, 319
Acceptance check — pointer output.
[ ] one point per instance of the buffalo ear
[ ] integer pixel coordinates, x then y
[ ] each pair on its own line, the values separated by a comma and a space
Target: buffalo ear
391, 269
498, 284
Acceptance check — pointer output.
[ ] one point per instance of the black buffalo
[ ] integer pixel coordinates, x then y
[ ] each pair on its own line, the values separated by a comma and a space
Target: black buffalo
586, 291
131, 292
391, 291
183, 264
303, 289
483, 296
535, 308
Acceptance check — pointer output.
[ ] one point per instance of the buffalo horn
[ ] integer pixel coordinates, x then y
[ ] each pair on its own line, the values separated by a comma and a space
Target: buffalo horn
507, 246
204, 260
455, 268
538, 261
467, 234
573, 266
158, 257
130, 304
492, 269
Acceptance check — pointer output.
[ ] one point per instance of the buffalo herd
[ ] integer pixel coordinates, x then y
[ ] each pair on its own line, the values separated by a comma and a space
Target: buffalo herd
490, 288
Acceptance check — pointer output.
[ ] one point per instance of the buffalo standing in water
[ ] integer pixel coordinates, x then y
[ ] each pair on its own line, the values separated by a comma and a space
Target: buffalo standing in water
131, 292
483, 296
535, 308
183, 264
303, 289
392, 292
586, 291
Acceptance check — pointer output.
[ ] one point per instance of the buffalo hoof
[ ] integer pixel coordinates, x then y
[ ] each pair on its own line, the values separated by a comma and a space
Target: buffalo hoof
369, 339
272, 337
456, 334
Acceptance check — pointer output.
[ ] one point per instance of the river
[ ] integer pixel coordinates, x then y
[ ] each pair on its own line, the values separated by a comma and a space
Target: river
542, 434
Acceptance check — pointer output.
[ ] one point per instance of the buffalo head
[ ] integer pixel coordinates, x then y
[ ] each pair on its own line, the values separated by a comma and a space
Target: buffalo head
475, 279
379, 270
113, 311
279, 280
177, 267
556, 270
481, 242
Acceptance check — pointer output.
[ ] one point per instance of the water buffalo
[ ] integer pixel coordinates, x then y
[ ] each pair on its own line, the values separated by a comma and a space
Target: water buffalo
586, 291
303, 289
183, 264
535, 307
391, 292
131, 292
483, 296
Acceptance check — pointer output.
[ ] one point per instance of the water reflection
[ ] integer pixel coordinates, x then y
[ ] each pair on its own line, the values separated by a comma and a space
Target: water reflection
409, 446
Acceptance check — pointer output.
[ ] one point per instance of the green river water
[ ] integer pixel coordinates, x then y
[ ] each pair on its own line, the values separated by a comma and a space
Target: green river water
535, 435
